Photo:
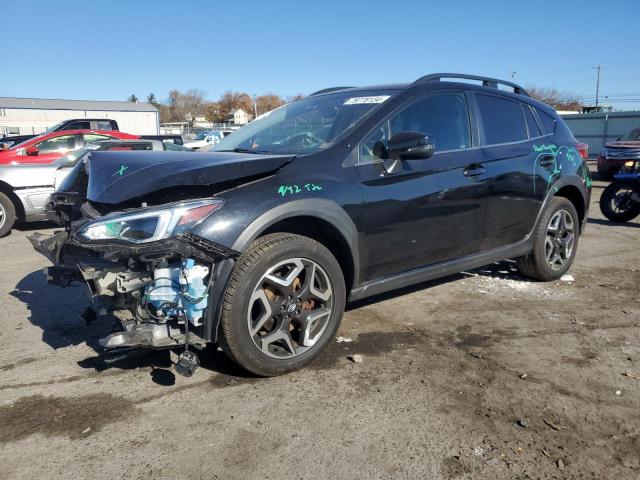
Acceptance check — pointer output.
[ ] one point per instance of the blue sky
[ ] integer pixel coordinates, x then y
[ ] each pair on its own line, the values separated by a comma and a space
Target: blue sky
110, 49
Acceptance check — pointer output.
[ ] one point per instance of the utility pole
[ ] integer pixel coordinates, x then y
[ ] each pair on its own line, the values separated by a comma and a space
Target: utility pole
512, 74
598, 68
255, 107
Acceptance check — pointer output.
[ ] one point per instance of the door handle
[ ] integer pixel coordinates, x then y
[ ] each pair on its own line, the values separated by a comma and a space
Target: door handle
547, 161
474, 170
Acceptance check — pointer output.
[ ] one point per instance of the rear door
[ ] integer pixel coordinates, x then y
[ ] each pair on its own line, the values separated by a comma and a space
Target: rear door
429, 210
511, 142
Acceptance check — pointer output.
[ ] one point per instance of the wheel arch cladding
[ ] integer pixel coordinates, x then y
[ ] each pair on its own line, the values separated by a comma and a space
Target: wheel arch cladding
322, 232
320, 219
17, 204
573, 194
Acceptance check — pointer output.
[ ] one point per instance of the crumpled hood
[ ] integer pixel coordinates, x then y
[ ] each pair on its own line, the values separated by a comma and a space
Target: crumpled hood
117, 176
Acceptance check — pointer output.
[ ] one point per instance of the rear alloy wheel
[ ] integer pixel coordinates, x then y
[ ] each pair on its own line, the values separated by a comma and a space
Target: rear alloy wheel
283, 304
555, 242
561, 234
7, 215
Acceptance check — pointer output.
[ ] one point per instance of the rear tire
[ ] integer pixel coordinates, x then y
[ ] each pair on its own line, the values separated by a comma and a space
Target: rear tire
283, 304
615, 206
555, 242
7, 215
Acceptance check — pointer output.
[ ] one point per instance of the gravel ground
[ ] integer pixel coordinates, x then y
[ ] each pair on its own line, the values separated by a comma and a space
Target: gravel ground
479, 375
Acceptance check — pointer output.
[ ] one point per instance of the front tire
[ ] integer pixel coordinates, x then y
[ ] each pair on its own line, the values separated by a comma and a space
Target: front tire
616, 201
283, 304
7, 215
555, 242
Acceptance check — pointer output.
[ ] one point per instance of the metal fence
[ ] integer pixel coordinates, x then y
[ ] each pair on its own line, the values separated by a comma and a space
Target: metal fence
596, 129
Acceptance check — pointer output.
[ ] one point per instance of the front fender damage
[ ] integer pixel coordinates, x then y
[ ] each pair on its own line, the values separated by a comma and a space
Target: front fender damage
156, 293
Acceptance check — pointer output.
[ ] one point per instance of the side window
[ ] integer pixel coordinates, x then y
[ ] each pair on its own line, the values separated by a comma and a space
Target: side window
442, 116
63, 143
78, 126
104, 125
502, 120
548, 122
93, 137
532, 125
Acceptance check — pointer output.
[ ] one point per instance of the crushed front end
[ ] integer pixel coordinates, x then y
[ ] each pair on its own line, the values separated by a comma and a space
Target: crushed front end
143, 267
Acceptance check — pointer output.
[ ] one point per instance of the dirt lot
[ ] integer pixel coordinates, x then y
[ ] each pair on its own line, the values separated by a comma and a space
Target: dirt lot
480, 375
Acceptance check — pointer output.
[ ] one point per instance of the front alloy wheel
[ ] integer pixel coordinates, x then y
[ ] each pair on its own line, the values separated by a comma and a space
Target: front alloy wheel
283, 304
290, 308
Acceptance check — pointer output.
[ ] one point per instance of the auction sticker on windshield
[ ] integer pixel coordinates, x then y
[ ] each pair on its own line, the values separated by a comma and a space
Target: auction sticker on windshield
361, 100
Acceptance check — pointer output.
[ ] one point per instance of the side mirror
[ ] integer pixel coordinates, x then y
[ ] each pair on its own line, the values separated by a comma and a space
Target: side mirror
32, 151
410, 145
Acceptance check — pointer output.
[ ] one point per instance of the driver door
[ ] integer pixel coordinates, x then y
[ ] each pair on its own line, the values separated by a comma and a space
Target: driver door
424, 211
54, 148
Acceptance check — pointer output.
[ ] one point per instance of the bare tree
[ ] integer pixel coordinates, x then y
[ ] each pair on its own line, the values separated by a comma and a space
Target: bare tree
233, 100
182, 104
268, 102
555, 98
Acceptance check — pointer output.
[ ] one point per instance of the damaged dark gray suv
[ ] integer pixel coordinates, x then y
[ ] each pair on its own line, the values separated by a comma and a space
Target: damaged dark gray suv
348, 193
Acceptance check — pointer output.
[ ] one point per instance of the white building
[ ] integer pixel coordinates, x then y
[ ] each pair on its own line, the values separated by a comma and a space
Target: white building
27, 116
238, 117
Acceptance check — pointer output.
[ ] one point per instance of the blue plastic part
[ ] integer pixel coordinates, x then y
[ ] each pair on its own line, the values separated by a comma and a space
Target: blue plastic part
184, 288
627, 176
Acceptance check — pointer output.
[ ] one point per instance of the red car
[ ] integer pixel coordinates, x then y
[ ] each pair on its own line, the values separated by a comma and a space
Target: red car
48, 147
615, 154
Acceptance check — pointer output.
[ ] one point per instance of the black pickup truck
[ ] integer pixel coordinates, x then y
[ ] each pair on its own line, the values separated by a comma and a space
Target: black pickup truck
104, 124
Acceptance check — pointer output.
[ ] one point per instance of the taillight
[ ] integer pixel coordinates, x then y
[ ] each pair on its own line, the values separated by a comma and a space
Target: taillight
583, 149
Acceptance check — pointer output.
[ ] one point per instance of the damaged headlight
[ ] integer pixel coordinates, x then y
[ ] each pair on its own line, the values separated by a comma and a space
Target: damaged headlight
151, 225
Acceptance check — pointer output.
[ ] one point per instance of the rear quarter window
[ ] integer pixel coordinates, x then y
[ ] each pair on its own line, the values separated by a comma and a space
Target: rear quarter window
548, 122
532, 125
502, 120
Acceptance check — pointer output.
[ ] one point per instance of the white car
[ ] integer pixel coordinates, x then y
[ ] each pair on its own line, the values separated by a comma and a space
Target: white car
204, 139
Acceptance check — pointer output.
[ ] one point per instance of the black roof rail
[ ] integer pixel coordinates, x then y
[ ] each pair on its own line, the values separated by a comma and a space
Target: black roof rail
327, 90
486, 81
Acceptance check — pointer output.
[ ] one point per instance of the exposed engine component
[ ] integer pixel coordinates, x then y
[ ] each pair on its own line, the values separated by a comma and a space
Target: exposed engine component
177, 291
159, 303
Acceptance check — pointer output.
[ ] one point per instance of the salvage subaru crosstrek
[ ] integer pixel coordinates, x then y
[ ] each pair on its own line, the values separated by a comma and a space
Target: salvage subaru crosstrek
348, 193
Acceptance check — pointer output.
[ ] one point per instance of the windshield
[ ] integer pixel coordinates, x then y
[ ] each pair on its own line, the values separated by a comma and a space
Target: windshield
634, 136
305, 126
